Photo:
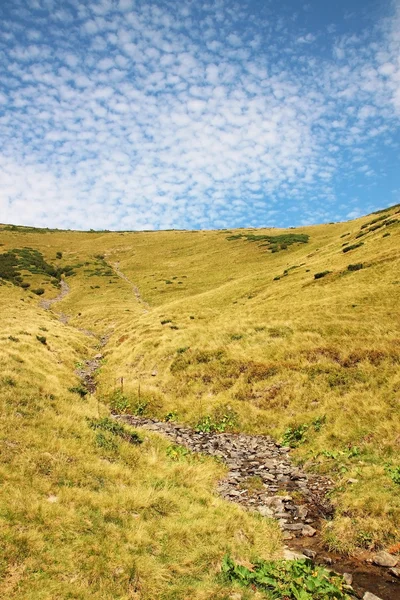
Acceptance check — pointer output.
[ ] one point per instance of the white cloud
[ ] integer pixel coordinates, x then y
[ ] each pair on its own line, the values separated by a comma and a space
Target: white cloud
132, 120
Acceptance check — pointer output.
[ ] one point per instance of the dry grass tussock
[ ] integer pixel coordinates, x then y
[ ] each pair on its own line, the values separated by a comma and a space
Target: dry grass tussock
234, 331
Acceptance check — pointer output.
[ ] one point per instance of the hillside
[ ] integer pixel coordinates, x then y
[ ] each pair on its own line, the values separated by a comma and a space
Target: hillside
291, 333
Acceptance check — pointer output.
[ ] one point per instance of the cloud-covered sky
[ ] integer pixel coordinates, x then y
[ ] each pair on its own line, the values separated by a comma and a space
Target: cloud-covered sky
141, 114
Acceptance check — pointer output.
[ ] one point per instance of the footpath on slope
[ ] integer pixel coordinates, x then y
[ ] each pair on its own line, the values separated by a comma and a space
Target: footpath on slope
135, 289
262, 478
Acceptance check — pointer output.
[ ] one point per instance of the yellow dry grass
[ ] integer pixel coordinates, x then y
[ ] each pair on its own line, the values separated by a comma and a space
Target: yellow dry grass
212, 332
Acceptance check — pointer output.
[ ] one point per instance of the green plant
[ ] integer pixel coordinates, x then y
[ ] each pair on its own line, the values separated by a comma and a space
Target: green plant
119, 403
171, 416
105, 442
182, 350
222, 419
41, 339
321, 274
12, 338
38, 291
394, 473
176, 452
289, 580
112, 426
165, 321
140, 408
59, 255
294, 436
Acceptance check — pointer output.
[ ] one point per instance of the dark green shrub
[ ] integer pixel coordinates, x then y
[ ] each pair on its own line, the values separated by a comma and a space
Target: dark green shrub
25, 285
355, 267
165, 321
59, 255
321, 274
353, 247
13, 339
41, 339
38, 291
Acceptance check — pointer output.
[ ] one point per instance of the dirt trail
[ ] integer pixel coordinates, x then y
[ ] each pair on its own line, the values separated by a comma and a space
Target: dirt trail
263, 479
134, 287
64, 291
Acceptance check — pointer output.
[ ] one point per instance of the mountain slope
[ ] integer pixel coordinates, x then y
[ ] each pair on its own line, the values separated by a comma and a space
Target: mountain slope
260, 330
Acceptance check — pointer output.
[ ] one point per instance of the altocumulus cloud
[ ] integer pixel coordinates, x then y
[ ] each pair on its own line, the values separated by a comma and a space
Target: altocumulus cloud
121, 114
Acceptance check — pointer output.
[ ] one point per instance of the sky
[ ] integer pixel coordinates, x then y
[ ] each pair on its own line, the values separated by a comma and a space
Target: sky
191, 114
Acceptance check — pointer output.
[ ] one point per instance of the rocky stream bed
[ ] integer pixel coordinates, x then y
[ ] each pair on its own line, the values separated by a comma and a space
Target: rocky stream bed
262, 478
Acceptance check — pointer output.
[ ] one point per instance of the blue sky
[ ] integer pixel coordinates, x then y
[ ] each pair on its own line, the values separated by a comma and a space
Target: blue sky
126, 114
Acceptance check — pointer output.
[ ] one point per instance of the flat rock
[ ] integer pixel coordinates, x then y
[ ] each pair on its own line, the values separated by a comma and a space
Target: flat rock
290, 555
308, 531
384, 559
369, 596
310, 553
395, 572
348, 578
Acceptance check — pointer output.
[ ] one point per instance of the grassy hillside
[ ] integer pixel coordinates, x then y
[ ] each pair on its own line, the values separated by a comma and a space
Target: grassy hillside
294, 333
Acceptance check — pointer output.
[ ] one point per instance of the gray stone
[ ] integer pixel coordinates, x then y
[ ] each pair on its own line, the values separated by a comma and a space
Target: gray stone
369, 596
384, 559
348, 578
395, 572
308, 531
265, 511
290, 555
310, 553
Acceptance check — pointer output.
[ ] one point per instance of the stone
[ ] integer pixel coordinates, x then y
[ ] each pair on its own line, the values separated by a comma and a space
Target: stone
98, 356
293, 526
310, 553
308, 531
265, 511
351, 480
52, 499
348, 578
384, 559
302, 511
369, 596
290, 555
395, 572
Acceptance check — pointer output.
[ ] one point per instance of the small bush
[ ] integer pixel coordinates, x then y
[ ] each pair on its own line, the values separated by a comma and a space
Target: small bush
38, 291
13, 338
277, 278
41, 339
321, 274
294, 436
59, 255
394, 474
355, 267
353, 247
165, 321
25, 285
